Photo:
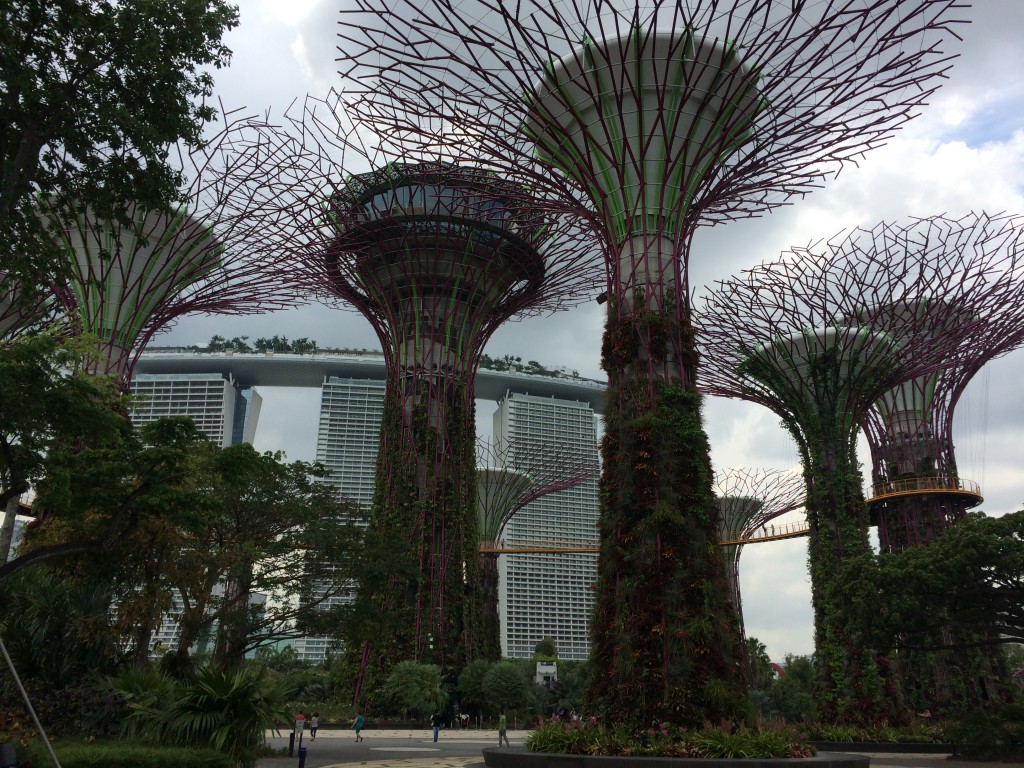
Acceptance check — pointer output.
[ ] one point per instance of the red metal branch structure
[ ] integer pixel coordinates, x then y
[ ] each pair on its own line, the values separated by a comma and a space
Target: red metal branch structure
804, 337
436, 256
509, 478
22, 311
749, 500
649, 120
917, 488
131, 278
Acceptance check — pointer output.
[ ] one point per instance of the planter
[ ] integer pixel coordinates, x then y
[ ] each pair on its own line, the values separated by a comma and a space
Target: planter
892, 747
516, 757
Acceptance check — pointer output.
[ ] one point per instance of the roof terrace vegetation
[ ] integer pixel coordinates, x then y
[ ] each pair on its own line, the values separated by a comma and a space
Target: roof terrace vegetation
306, 346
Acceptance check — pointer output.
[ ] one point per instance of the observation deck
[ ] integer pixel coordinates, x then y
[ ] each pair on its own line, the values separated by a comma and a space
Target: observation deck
966, 491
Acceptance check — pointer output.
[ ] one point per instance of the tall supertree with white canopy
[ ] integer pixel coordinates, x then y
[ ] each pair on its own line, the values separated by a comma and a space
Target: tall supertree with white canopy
917, 487
436, 256
917, 490
648, 120
130, 277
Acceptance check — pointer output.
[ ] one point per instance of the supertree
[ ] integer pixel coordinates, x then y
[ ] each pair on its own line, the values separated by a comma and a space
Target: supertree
649, 120
917, 488
748, 500
507, 480
131, 275
802, 336
436, 256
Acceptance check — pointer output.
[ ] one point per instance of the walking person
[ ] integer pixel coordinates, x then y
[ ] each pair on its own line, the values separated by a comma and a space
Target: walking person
313, 725
503, 730
435, 723
358, 726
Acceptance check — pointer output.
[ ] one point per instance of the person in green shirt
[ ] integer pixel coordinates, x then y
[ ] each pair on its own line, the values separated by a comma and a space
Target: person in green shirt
503, 730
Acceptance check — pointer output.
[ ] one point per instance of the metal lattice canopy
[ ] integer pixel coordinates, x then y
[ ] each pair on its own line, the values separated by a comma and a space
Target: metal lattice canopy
132, 276
762, 331
436, 255
918, 491
656, 116
22, 311
509, 478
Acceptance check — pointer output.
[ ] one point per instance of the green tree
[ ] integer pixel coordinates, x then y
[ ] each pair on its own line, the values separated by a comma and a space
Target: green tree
571, 686
472, 696
790, 695
413, 690
270, 528
58, 632
759, 664
45, 407
98, 488
970, 579
93, 92
545, 649
229, 711
507, 687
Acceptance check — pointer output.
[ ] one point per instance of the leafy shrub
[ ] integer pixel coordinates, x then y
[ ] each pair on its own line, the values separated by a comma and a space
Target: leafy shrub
229, 711
665, 740
134, 756
914, 734
989, 734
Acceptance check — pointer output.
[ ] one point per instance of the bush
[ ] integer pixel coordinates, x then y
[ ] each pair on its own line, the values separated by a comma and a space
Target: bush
990, 735
665, 740
118, 754
229, 711
913, 734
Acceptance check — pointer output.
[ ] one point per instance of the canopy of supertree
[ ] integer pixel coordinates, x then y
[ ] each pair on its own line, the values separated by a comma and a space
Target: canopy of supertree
749, 499
509, 478
918, 491
663, 114
131, 276
647, 120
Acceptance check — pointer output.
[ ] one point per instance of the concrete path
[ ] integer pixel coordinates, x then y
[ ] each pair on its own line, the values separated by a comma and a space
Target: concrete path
415, 748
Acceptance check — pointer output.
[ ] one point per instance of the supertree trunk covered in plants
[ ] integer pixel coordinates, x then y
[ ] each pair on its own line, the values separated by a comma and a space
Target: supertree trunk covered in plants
748, 501
436, 256
803, 336
649, 120
507, 480
131, 277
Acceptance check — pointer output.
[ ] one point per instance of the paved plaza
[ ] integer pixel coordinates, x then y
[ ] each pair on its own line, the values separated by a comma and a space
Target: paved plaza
455, 748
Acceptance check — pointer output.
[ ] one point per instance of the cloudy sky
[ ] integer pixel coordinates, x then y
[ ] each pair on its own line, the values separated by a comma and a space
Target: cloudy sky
964, 152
